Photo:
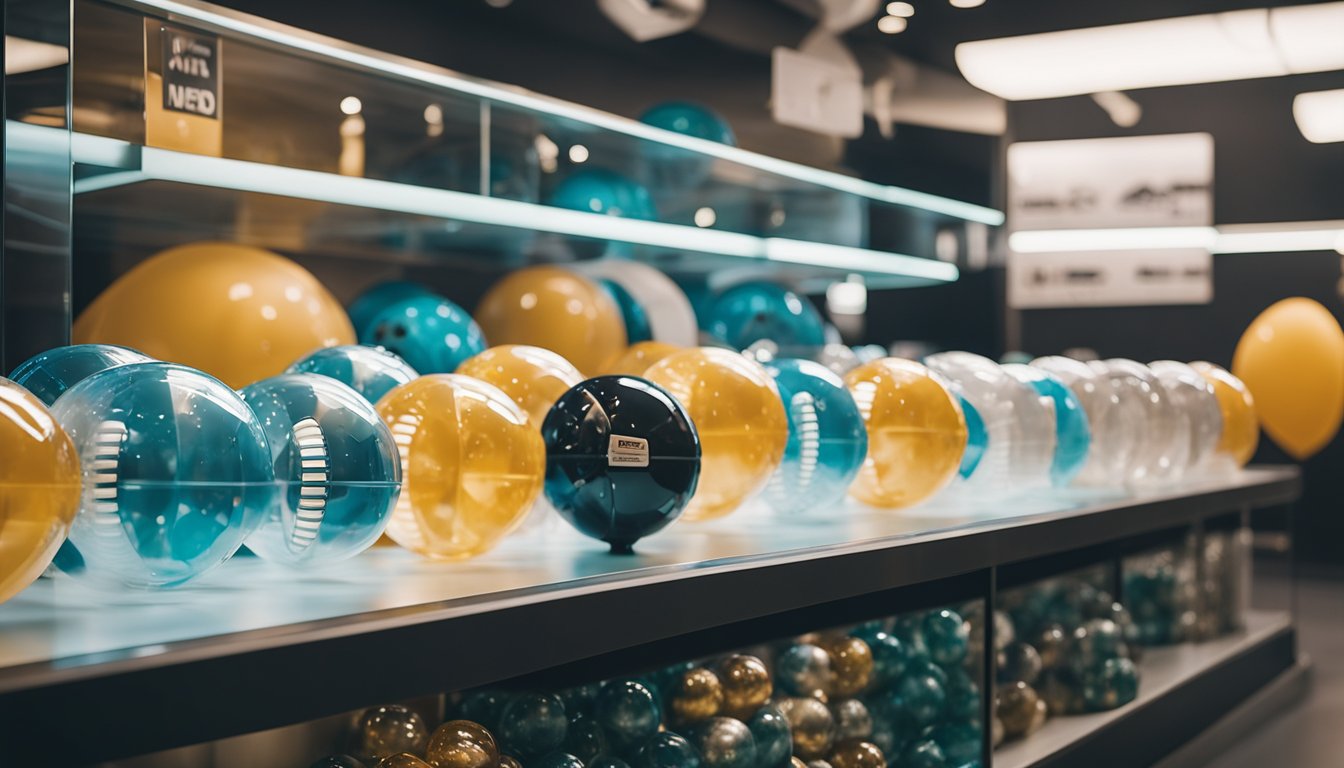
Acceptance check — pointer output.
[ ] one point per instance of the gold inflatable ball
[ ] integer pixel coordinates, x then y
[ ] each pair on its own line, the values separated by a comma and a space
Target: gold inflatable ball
403, 760
1241, 428
740, 418
916, 432
534, 377
696, 696
638, 358
555, 309
810, 724
240, 314
462, 744
39, 487
851, 664
857, 754
471, 465
388, 730
746, 685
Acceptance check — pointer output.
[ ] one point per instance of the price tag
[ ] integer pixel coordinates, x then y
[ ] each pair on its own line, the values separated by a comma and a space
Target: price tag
626, 451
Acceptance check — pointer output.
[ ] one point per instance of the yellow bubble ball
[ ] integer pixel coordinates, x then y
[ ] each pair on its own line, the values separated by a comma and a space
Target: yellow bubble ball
39, 487
534, 377
471, 465
638, 358
555, 309
240, 314
740, 418
1241, 427
916, 432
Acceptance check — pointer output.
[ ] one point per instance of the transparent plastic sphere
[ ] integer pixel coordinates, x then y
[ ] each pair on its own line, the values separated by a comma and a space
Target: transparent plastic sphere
664, 304
827, 442
49, 374
743, 428
622, 459
471, 465
1161, 443
1196, 405
916, 432
429, 332
638, 358
1115, 418
381, 296
370, 371
533, 377
1021, 428
752, 311
336, 466
1073, 436
1241, 427
39, 487
555, 309
176, 472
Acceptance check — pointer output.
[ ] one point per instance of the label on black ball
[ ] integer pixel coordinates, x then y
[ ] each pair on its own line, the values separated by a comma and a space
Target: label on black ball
626, 451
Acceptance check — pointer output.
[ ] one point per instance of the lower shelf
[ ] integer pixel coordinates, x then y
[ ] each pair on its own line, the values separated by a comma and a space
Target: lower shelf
1184, 689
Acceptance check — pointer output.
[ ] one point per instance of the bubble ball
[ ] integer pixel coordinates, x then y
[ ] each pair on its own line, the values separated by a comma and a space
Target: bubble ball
666, 750
1021, 428
1160, 442
431, 333
599, 190
811, 725
1115, 420
235, 312
1201, 417
774, 739
743, 428
176, 469
462, 744
533, 377
1073, 436
633, 316
1241, 427
723, 743
49, 374
622, 459
533, 724
827, 442
746, 685
381, 296
916, 432
388, 730
629, 712
370, 371
39, 487
664, 304
638, 358
977, 436
336, 464
555, 309
471, 465
752, 311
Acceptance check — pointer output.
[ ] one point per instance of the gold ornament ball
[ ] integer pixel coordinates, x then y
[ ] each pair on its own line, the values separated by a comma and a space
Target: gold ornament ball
746, 685
462, 744
811, 724
697, 696
506, 761
857, 754
403, 760
851, 664
533, 377
1016, 705
388, 730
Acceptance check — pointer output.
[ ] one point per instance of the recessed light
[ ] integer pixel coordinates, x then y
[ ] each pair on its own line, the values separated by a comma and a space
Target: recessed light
904, 10
891, 25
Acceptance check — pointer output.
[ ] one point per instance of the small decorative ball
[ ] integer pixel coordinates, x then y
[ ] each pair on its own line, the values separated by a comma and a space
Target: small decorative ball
403, 760
580, 701
737, 412
471, 465
795, 762
507, 761
851, 664
388, 730
176, 468
963, 695
856, 754
585, 738
1095, 642
1061, 691
556, 760
811, 724
921, 694
555, 309
338, 761
804, 670
429, 332
381, 296
49, 374
960, 742
916, 432
723, 742
1015, 704
337, 466
484, 706
1019, 661
533, 724
946, 635
370, 371
1051, 645
889, 656
746, 685
696, 696
638, 358
751, 311
606, 761
852, 720
666, 750
534, 377
629, 712
923, 754
827, 441
1112, 684
622, 459
39, 488
774, 738
462, 744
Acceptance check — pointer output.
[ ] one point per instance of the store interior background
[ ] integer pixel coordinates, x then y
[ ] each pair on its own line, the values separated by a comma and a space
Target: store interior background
1265, 171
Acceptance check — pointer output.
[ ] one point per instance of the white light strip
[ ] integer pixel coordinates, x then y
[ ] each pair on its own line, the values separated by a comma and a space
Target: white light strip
1281, 238
1174, 51
856, 259
1232, 238
1320, 115
408, 69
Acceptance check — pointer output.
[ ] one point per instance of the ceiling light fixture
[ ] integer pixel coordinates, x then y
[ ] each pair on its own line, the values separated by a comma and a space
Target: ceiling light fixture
891, 25
1320, 115
966, 3
1284, 237
903, 10
1175, 51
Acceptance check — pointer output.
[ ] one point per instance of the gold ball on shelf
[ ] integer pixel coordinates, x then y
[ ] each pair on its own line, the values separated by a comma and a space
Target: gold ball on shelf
389, 730
697, 695
462, 744
507, 761
1017, 705
403, 760
851, 664
811, 724
746, 685
857, 754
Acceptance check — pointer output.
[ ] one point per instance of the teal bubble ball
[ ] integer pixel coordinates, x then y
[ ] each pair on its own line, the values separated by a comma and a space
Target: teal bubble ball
370, 371
749, 312
431, 333
827, 439
381, 296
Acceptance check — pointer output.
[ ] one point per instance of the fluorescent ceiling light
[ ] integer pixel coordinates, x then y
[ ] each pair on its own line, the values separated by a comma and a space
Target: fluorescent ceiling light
24, 55
1320, 115
1176, 51
1232, 238
1280, 238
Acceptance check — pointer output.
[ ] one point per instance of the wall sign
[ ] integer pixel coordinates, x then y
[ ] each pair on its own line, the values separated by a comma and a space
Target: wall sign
184, 89
190, 72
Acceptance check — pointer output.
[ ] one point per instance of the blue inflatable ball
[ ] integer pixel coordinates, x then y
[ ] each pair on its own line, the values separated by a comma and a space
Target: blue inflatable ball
629, 712
337, 466
177, 473
977, 437
381, 296
666, 750
622, 459
691, 120
431, 333
947, 636
532, 725
919, 694
598, 190
889, 655
963, 695
1073, 436
827, 438
637, 326
749, 312
774, 739
370, 371
723, 743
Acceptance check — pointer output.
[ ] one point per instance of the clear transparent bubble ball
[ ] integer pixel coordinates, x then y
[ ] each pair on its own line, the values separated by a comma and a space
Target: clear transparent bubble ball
1162, 443
827, 440
1115, 418
49, 374
1073, 436
370, 371
1196, 407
